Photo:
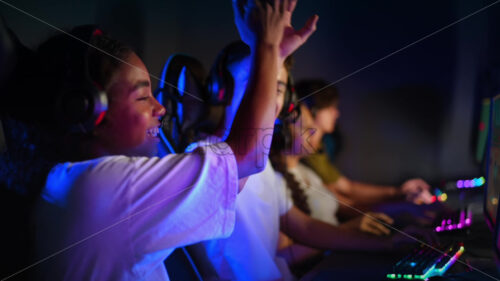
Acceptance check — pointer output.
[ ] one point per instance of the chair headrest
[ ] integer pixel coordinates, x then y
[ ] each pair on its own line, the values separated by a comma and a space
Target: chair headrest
7, 51
182, 92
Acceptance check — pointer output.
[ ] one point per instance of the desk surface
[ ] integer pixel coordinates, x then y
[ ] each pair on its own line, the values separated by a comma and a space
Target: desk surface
356, 265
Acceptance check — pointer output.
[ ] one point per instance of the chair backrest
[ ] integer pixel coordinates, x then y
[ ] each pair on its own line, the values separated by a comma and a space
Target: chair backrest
189, 112
7, 58
16, 62
181, 267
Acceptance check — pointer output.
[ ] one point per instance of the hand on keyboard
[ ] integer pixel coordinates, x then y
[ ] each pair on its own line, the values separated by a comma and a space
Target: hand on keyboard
375, 223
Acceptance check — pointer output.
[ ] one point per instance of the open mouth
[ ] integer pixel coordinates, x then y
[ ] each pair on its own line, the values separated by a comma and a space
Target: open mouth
153, 132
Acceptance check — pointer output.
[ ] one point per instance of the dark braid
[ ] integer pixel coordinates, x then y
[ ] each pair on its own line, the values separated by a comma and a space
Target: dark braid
277, 157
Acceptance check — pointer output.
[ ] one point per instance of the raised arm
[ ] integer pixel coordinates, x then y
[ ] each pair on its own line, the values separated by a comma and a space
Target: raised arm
267, 30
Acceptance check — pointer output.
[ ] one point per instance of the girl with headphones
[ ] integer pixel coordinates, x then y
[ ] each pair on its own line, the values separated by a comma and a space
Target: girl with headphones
108, 209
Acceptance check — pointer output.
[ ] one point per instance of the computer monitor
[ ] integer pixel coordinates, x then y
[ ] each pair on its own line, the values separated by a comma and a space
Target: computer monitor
483, 129
492, 191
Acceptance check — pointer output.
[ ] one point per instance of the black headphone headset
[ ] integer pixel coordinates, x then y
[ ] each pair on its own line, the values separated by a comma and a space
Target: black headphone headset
181, 127
220, 82
290, 109
289, 114
80, 104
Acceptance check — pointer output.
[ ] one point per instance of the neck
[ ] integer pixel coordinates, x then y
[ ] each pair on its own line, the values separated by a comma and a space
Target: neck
316, 138
221, 133
292, 161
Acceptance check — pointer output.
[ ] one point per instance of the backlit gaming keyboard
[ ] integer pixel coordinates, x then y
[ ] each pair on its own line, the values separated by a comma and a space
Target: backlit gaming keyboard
456, 221
425, 262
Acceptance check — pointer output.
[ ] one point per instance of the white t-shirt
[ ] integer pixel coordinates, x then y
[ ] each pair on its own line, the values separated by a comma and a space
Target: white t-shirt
120, 217
323, 203
250, 252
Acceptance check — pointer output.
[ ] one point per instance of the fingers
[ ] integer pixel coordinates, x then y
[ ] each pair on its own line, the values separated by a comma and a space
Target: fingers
380, 228
371, 224
383, 217
258, 4
374, 231
375, 227
424, 197
308, 28
418, 184
292, 5
283, 5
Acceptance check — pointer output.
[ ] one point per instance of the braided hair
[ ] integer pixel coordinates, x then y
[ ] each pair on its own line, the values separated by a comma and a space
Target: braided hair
281, 143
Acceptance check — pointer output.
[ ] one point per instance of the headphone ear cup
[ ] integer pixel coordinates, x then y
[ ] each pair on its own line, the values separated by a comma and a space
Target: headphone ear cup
290, 104
74, 107
81, 104
220, 84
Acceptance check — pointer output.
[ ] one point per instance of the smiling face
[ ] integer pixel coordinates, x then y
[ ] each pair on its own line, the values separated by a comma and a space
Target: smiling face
131, 124
240, 71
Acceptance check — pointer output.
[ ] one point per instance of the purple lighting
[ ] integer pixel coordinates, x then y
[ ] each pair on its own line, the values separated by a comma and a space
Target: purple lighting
465, 220
472, 183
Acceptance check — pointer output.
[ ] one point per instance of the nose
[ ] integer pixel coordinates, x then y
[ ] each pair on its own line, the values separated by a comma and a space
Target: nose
158, 109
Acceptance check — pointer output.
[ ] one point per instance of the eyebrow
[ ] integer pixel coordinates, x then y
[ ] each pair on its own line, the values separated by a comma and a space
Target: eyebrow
141, 84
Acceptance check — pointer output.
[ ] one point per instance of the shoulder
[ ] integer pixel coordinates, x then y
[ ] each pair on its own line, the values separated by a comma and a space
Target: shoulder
72, 179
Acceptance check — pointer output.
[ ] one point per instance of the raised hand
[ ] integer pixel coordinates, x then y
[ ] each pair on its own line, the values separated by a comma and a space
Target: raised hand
246, 17
260, 23
293, 39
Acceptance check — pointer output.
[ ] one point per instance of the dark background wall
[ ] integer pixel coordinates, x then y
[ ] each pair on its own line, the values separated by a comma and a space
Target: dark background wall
412, 114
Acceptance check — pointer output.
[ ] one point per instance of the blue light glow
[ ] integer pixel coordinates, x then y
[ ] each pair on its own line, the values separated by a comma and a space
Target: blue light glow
181, 86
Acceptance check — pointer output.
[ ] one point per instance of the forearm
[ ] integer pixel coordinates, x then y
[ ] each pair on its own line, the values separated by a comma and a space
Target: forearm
297, 253
317, 234
325, 236
255, 117
363, 193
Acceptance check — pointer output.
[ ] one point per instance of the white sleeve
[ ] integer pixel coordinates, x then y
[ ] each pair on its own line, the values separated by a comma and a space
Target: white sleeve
182, 199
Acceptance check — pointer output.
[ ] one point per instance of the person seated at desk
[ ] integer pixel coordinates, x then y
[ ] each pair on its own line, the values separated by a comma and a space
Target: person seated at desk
306, 189
108, 209
323, 105
262, 209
